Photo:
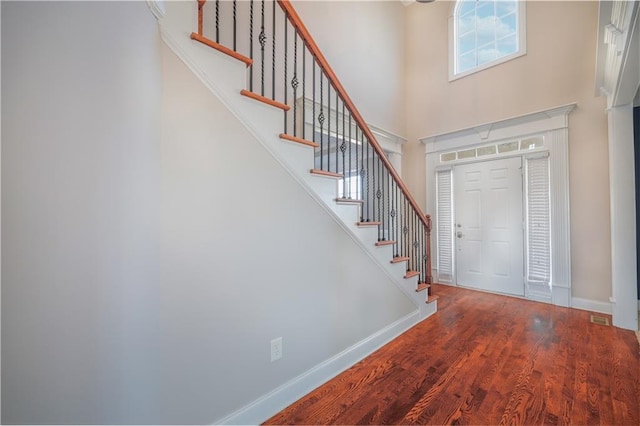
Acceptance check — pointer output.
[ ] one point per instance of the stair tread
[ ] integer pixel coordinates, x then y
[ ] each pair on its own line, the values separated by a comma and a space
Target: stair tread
385, 243
208, 42
325, 173
368, 223
432, 298
422, 286
298, 140
265, 100
399, 259
410, 274
349, 201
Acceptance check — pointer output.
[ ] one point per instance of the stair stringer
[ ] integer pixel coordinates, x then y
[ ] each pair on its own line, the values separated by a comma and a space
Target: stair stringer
225, 77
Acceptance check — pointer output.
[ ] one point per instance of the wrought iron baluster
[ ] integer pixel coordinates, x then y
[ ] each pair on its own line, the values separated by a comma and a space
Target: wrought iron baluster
286, 50
405, 229
321, 122
304, 85
313, 101
394, 222
251, 45
368, 172
359, 188
328, 123
379, 198
294, 81
343, 148
262, 38
337, 130
350, 147
217, 21
373, 193
235, 25
273, 54
423, 253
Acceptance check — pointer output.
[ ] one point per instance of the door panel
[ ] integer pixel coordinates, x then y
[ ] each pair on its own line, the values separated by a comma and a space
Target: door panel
488, 226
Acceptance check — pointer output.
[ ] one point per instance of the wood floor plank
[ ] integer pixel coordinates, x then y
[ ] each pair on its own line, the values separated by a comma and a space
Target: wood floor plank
487, 359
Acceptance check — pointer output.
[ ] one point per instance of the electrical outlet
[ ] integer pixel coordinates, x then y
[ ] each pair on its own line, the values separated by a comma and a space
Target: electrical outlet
276, 349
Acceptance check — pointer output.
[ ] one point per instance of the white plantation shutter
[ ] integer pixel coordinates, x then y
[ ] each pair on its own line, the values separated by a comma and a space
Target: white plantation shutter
445, 225
538, 223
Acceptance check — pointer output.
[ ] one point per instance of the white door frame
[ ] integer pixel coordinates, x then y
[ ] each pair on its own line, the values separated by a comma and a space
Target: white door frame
552, 125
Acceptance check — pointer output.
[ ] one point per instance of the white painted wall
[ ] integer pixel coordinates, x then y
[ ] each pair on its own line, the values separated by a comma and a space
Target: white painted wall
248, 256
151, 247
364, 43
558, 69
80, 195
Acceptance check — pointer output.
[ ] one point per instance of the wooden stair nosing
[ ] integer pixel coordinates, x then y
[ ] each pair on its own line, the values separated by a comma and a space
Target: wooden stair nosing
298, 140
422, 286
385, 243
399, 259
265, 100
411, 274
220, 48
432, 298
368, 223
324, 173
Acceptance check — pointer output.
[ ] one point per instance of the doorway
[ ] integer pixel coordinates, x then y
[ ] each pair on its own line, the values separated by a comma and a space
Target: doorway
488, 225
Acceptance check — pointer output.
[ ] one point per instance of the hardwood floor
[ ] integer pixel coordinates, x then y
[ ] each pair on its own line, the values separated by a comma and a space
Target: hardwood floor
487, 359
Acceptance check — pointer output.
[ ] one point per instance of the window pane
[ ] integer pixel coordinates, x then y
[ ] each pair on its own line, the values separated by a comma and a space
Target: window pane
485, 31
485, 9
466, 7
507, 45
467, 62
504, 7
505, 25
487, 53
467, 42
467, 24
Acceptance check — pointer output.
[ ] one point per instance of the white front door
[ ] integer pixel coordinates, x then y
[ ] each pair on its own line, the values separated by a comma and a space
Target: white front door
489, 226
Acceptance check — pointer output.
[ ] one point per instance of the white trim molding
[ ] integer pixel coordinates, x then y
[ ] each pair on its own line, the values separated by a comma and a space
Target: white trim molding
268, 405
618, 78
549, 129
157, 8
591, 305
616, 51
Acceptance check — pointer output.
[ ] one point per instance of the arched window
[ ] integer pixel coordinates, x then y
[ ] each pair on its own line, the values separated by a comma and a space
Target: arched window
485, 33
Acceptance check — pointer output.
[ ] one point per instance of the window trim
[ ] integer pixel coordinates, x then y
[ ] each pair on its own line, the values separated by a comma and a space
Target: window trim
522, 43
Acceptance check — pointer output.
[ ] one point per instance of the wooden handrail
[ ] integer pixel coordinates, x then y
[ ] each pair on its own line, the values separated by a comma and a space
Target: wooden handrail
314, 50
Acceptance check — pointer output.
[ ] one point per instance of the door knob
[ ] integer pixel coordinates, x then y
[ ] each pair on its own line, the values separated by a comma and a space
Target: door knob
459, 234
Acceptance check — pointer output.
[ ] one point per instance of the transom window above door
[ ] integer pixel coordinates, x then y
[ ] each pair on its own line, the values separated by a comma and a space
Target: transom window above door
485, 33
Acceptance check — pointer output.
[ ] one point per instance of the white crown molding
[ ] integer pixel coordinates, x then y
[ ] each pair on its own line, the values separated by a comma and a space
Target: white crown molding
616, 54
517, 126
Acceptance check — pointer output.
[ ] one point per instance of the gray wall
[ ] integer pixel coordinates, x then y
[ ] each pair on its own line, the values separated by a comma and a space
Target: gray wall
151, 247
80, 192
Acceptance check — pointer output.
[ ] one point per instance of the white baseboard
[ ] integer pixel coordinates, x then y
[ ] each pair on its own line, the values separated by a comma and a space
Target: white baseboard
266, 406
591, 305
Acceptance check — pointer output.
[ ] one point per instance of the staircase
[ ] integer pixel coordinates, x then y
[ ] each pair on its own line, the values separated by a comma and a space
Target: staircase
260, 60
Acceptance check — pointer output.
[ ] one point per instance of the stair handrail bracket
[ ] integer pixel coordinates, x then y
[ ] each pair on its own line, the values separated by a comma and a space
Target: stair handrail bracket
286, 69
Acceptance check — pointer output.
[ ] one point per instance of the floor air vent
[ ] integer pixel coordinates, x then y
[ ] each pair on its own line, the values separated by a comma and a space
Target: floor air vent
599, 320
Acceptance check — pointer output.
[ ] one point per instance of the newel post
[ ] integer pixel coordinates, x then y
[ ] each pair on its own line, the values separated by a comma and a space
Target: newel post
428, 248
